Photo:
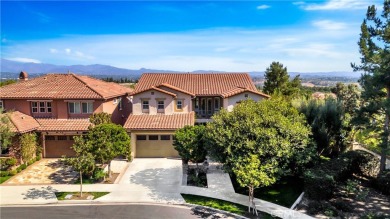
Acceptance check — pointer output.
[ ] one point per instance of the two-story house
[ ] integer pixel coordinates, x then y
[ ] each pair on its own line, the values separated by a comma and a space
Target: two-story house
61, 105
165, 102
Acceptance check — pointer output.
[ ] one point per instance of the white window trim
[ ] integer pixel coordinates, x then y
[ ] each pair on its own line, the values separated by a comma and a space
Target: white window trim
80, 107
38, 107
181, 104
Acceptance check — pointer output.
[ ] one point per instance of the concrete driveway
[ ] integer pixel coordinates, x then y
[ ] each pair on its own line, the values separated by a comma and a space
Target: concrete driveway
156, 174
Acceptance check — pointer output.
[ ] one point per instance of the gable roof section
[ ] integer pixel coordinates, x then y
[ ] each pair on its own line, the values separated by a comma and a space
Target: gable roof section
239, 90
20, 122
63, 124
176, 89
212, 84
62, 86
156, 89
159, 121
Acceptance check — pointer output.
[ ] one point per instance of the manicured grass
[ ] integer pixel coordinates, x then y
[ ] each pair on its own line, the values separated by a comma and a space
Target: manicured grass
4, 178
221, 205
284, 192
61, 195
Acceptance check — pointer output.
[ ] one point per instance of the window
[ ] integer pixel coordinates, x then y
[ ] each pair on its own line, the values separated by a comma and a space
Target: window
141, 137
34, 107
48, 107
179, 104
62, 138
216, 104
87, 107
41, 107
80, 107
120, 103
1, 104
152, 93
145, 104
246, 95
153, 137
50, 138
74, 107
160, 104
165, 137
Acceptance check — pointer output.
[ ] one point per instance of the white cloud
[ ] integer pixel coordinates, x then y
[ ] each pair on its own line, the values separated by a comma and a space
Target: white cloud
27, 60
262, 7
53, 50
338, 5
68, 51
329, 25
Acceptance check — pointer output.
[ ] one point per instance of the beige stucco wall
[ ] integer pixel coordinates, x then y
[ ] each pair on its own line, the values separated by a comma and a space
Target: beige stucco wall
230, 102
169, 102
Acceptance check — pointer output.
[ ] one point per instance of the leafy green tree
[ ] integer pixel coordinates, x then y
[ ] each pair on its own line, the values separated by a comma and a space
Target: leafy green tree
28, 145
84, 161
6, 134
374, 46
7, 82
329, 125
190, 143
100, 118
270, 132
108, 141
349, 95
277, 81
250, 173
276, 77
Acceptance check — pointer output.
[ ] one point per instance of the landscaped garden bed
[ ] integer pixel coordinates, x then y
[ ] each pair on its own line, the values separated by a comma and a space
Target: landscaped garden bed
76, 195
9, 167
284, 192
224, 205
197, 177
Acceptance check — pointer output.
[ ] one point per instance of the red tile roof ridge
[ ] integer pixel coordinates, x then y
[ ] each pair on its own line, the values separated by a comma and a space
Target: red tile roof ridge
28, 124
176, 88
154, 88
82, 81
196, 73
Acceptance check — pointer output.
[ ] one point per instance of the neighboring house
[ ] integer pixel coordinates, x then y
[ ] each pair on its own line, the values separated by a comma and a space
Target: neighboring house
61, 104
165, 102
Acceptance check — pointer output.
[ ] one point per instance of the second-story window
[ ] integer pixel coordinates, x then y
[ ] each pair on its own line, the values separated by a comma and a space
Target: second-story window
74, 107
145, 104
120, 105
179, 104
87, 107
41, 107
160, 104
80, 107
1, 104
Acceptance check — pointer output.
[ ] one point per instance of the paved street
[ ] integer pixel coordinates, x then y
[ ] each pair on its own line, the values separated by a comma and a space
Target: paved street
135, 211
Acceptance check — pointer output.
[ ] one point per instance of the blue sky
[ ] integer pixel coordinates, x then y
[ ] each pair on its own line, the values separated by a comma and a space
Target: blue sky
306, 36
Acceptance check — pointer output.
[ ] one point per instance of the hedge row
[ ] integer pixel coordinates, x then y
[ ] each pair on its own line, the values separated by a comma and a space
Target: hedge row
321, 181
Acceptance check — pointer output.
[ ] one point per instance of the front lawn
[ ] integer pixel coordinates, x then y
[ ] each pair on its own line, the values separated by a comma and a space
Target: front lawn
222, 205
284, 192
61, 195
4, 178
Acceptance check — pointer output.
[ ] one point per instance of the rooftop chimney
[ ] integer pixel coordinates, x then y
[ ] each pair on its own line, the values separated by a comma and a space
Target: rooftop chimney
23, 76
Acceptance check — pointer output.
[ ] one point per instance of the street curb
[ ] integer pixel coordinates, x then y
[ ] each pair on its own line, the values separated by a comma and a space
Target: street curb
216, 210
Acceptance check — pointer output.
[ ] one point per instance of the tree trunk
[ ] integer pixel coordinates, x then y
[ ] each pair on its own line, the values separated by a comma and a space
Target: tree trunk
109, 169
250, 203
385, 133
81, 184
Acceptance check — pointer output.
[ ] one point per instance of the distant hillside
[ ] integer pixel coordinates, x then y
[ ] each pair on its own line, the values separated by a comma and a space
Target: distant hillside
10, 69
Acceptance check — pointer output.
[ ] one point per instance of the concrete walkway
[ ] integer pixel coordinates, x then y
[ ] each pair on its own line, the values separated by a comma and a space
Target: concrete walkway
139, 185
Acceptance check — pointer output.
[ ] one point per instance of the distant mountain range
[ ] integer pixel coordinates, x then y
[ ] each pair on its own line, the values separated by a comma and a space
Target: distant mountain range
10, 69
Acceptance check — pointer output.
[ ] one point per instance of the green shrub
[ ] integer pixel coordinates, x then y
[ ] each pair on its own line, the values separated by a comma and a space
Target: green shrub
4, 173
38, 157
31, 162
98, 174
321, 180
18, 169
382, 182
13, 172
11, 161
23, 166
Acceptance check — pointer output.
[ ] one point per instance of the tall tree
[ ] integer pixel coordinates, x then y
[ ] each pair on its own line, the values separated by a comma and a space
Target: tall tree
276, 77
269, 132
84, 161
277, 81
100, 118
190, 143
6, 134
348, 95
374, 46
108, 141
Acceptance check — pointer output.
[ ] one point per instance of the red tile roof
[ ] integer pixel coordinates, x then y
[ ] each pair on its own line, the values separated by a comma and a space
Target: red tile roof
20, 122
63, 86
154, 88
159, 121
239, 90
63, 124
212, 84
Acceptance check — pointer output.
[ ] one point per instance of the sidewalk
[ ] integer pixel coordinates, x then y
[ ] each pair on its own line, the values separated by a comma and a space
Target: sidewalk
219, 187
